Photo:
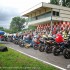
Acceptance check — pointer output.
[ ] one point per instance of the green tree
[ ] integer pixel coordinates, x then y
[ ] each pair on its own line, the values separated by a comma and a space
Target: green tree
16, 24
56, 2
66, 3
1, 28
7, 30
31, 27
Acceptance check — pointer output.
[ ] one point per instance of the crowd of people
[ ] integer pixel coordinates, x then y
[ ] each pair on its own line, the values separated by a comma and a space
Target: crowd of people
42, 39
32, 36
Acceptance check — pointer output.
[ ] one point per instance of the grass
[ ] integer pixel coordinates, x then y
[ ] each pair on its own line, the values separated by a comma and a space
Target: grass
13, 60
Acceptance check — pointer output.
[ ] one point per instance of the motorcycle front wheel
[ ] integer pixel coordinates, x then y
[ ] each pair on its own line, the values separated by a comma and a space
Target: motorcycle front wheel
56, 51
66, 53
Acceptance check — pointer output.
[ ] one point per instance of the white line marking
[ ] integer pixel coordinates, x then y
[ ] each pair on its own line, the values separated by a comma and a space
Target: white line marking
40, 60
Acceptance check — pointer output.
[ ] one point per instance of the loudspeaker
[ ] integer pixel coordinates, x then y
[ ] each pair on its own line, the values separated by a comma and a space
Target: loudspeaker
3, 49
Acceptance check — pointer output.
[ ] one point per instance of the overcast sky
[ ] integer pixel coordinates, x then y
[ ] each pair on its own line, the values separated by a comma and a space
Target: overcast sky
11, 8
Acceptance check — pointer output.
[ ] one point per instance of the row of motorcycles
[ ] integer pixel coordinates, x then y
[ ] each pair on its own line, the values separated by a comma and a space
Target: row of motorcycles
49, 45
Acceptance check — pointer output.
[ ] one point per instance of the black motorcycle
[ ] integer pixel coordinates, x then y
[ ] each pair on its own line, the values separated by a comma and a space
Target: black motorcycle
21, 43
63, 48
66, 51
46, 45
42, 46
49, 45
16, 41
58, 48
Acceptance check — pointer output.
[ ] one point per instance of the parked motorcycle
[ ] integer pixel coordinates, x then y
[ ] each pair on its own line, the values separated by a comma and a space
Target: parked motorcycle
42, 45
66, 51
57, 49
49, 46
16, 41
63, 47
21, 43
36, 46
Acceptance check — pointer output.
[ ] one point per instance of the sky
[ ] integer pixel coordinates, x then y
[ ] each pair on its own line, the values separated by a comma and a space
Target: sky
12, 8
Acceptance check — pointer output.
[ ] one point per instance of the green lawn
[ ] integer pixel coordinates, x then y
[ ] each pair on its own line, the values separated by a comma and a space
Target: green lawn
13, 60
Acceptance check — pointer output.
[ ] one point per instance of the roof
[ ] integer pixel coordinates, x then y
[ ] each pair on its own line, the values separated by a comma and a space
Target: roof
43, 5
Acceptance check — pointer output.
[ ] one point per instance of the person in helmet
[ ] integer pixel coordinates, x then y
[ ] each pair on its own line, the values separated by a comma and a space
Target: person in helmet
65, 35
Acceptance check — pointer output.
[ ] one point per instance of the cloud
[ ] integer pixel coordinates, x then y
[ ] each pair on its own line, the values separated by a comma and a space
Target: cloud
6, 14
5, 23
11, 8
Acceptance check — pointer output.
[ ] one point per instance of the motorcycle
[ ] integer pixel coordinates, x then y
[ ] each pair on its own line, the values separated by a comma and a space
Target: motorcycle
59, 44
16, 41
63, 48
42, 45
36, 46
58, 48
66, 51
46, 45
21, 43
49, 46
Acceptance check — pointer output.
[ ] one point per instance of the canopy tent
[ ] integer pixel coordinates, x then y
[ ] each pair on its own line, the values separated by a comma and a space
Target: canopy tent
2, 32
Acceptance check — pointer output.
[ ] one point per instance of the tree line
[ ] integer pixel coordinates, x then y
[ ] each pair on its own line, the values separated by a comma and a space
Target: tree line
65, 3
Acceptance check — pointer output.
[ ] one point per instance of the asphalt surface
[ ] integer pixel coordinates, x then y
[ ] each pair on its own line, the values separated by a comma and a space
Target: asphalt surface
57, 60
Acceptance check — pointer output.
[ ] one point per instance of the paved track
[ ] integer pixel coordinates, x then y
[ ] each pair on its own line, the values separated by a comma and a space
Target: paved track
57, 60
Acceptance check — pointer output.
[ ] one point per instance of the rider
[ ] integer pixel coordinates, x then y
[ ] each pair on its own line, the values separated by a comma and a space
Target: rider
65, 35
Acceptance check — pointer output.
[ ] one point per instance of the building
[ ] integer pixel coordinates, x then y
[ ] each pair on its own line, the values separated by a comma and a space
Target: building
50, 16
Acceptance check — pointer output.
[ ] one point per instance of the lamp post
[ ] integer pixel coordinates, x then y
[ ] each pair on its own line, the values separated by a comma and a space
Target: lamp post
51, 22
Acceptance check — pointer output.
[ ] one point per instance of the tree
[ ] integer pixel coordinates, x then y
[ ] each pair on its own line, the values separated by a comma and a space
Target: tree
66, 3
16, 24
7, 30
56, 2
1, 28
31, 27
